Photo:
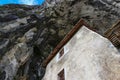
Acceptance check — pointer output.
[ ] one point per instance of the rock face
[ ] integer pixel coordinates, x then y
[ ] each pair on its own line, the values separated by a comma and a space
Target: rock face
13, 59
41, 28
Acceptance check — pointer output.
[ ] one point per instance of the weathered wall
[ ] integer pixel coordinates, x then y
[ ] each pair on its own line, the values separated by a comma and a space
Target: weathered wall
90, 57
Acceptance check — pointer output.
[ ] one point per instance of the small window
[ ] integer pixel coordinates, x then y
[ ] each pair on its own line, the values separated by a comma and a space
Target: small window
66, 49
61, 52
61, 75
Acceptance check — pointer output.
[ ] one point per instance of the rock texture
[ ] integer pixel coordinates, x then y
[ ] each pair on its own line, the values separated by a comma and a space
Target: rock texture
41, 28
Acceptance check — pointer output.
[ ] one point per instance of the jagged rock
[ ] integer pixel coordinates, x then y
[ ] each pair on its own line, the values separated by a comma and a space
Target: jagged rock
3, 46
28, 36
2, 75
42, 27
8, 18
11, 61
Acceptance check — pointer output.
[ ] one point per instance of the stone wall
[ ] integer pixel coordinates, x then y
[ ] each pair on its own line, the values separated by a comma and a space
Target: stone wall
89, 57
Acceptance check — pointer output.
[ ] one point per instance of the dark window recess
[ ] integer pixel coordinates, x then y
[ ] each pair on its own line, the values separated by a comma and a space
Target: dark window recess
61, 52
61, 75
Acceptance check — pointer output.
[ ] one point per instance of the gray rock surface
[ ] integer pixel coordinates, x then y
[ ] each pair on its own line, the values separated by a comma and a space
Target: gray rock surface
42, 27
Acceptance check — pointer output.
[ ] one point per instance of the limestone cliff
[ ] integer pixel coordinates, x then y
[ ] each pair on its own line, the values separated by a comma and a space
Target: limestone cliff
29, 33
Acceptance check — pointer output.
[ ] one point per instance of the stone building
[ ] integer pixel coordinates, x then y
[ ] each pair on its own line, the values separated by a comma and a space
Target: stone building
83, 55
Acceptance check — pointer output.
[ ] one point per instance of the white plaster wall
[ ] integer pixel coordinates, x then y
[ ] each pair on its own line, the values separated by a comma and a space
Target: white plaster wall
90, 57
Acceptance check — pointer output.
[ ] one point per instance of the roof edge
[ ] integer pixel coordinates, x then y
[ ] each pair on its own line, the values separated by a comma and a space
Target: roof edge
70, 34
